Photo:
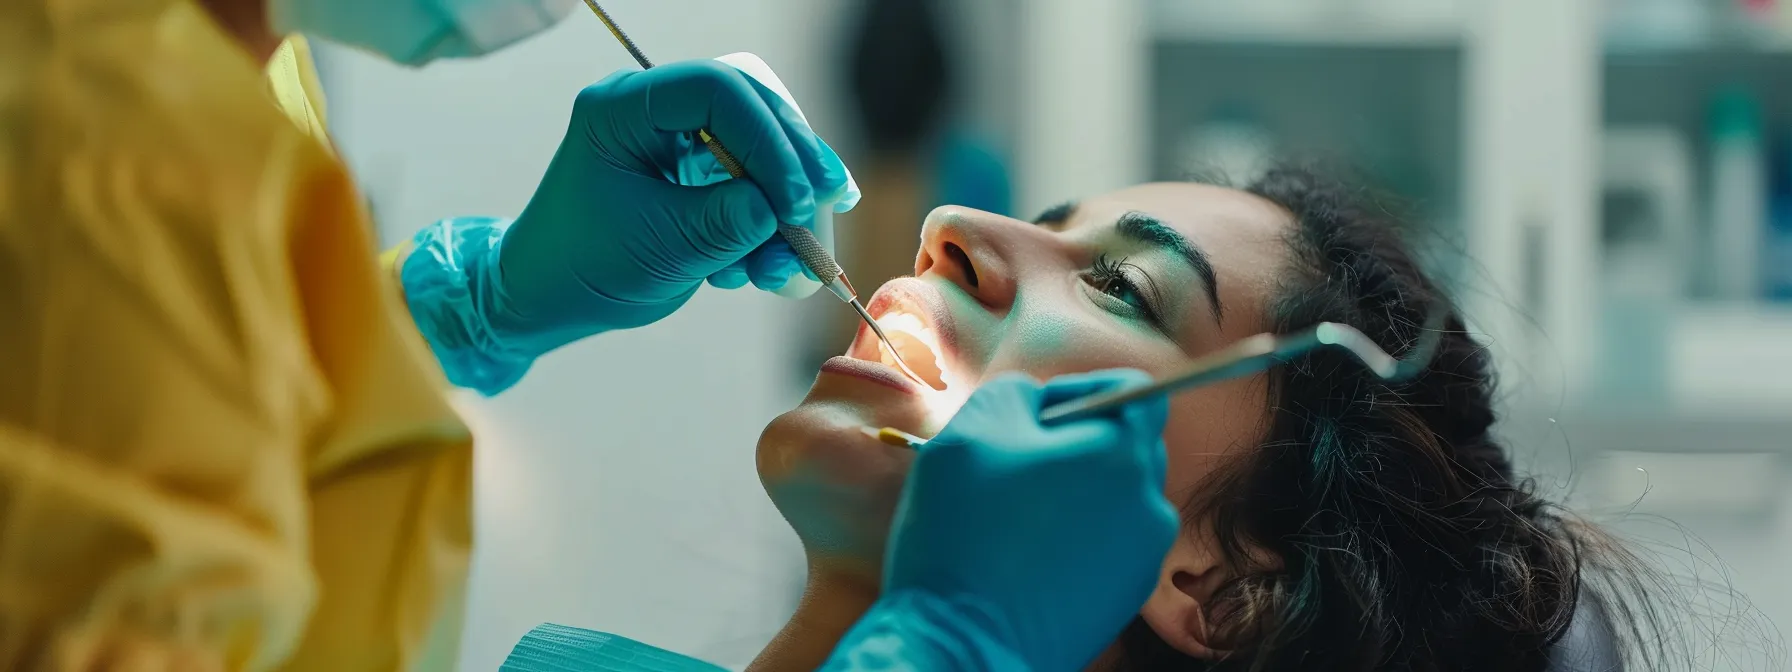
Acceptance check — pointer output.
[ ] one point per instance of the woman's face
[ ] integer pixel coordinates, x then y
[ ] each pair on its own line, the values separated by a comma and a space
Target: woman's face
1148, 277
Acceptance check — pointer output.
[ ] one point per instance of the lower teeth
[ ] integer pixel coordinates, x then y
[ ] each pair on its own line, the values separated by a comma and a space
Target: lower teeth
917, 356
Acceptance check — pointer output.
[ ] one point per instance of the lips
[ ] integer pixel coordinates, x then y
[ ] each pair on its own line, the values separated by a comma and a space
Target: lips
876, 372
913, 314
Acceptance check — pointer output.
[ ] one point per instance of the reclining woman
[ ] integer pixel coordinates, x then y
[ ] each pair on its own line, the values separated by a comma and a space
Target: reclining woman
1330, 520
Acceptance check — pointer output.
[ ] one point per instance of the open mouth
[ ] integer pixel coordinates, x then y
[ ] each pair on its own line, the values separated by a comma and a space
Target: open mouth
917, 344
913, 315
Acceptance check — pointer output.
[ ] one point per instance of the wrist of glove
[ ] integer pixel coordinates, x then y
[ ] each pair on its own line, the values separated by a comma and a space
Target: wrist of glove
451, 286
918, 630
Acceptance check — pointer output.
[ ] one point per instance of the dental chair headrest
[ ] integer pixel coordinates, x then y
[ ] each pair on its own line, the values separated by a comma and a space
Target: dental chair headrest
1591, 644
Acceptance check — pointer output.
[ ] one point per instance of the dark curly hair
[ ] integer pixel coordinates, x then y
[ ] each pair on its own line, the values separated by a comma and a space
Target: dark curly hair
1401, 538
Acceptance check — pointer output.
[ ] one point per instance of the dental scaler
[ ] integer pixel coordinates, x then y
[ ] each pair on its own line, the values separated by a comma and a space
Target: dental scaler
808, 249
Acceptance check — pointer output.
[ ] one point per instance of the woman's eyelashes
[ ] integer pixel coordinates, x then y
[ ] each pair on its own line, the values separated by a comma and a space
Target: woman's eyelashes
1126, 289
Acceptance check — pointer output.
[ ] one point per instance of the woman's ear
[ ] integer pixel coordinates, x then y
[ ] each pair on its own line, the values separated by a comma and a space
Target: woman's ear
1176, 611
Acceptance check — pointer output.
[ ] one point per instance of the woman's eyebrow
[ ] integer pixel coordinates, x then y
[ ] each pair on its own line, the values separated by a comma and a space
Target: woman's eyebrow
1145, 229
1056, 215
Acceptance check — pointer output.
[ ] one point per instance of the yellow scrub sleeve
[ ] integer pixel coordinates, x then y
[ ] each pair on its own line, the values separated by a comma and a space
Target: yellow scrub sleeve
222, 445
292, 79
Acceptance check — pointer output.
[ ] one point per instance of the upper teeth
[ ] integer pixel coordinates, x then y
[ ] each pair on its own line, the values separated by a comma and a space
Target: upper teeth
912, 325
914, 329
942, 404
906, 322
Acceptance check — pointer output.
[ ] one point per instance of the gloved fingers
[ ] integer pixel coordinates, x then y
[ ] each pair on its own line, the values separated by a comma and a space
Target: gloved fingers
1165, 522
733, 277
1142, 423
694, 95
1137, 425
826, 172
695, 166
1157, 467
734, 219
995, 406
849, 198
1007, 392
1146, 419
771, 266
1077, 385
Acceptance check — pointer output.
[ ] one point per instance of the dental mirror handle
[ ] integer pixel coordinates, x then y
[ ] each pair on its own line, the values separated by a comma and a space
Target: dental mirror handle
1262, 352
1246, 357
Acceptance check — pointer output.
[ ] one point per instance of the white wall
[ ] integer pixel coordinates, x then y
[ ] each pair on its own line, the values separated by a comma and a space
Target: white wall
616, 488
1083, 139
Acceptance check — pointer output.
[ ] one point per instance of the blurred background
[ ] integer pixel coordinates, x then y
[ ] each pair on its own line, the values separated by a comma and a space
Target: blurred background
1607, 183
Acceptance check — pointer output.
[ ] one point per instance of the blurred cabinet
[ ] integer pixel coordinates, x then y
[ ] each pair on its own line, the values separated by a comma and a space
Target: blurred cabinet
1487, 117
1531, 198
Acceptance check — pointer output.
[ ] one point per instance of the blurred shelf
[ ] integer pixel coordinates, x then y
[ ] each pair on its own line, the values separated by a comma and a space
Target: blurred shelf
1601, 430
1311, 36
1213, 22
1210, 22
1731, 358
1727, 373
1420, 37
1760, 46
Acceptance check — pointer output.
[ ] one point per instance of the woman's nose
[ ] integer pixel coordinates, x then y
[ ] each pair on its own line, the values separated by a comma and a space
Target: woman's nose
976, 250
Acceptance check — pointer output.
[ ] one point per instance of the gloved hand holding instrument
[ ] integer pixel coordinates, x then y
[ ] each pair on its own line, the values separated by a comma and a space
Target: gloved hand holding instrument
632, 216
610, 241
811, 253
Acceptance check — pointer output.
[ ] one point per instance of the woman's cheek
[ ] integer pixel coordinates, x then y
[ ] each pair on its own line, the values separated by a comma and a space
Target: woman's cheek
1046, 345
1046, 332
1209, 428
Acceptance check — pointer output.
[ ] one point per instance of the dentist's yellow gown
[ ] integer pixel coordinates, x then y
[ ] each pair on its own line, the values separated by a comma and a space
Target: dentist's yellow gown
223, 446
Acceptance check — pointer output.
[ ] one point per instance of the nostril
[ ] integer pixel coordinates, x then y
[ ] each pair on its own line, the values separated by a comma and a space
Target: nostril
958, 256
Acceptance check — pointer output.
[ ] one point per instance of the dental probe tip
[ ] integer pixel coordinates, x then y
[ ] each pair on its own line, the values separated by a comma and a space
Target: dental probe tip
872, 322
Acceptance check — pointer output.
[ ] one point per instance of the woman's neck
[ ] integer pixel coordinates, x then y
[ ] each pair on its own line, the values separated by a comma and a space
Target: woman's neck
831, 604
247, 22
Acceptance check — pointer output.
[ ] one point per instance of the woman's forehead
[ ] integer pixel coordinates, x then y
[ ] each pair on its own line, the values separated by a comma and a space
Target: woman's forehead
1200, 210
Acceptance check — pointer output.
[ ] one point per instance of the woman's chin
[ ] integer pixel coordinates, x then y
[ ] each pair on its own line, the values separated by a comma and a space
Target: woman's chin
836, 486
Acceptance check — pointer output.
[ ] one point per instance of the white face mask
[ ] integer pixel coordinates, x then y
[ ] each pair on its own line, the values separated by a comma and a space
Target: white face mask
414, 32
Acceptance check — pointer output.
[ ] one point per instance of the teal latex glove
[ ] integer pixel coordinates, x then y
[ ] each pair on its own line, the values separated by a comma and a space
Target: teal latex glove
561, 648
632, 216
1020, 546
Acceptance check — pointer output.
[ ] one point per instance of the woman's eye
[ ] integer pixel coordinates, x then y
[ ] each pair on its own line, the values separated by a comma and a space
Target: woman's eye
1111, 278
1120, 288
